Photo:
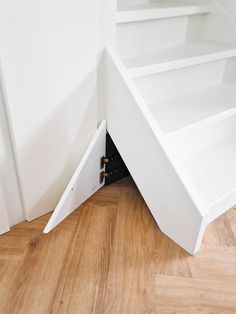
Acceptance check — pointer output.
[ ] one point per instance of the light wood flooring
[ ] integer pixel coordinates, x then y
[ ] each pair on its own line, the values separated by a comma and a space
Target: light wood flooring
110, 257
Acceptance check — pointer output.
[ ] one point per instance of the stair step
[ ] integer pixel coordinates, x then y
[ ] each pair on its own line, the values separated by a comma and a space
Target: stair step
185, 55
150, 11
212, 172
181, 114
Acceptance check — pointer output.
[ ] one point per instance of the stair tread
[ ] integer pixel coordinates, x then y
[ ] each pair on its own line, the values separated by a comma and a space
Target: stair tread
179, 56
146, 11
213, 171
188, 110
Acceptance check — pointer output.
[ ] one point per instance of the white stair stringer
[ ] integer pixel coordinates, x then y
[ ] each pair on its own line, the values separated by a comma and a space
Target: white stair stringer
169, 195
171, 110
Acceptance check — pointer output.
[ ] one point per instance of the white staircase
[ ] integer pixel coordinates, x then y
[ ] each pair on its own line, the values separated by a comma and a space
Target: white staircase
171, 111
169, 90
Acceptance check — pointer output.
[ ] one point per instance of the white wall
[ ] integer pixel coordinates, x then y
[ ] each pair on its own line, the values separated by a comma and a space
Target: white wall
106, 27
230, 6
48, 51
4, 223
106, 32
11, 202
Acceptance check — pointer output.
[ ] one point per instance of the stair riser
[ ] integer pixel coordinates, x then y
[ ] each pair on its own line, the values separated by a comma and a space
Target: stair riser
201, 138
230, 71
141, 37
221, 207
121, 3
137, 38
172, 83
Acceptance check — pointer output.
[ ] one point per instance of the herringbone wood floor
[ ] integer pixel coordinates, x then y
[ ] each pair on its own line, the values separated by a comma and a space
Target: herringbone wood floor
110, 257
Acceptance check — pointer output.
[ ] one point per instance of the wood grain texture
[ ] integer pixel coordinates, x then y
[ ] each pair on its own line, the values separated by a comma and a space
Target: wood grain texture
110, 257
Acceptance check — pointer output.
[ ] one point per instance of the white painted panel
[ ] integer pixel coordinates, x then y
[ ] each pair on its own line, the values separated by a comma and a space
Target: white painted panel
106, 35
230, 6
157, 10
220, 25
8, 173
213, 171
187, 111
168, 84
230, 71
207, 156
49, 57
195, 26
85, 181
195, 139
4, 223
141, 147
106, 24
141, 37
186, 55
125, 3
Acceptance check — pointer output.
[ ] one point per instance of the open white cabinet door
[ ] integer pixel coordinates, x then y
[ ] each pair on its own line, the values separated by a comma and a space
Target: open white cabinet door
85, 181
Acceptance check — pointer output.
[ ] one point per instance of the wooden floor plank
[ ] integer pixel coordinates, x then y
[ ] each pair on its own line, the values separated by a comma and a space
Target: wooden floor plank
195, 296
109, 256
84, 276
36, 276
130, 284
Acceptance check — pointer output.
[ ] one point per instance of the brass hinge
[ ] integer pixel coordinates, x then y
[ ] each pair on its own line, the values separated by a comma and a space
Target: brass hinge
106, 160
104, 174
